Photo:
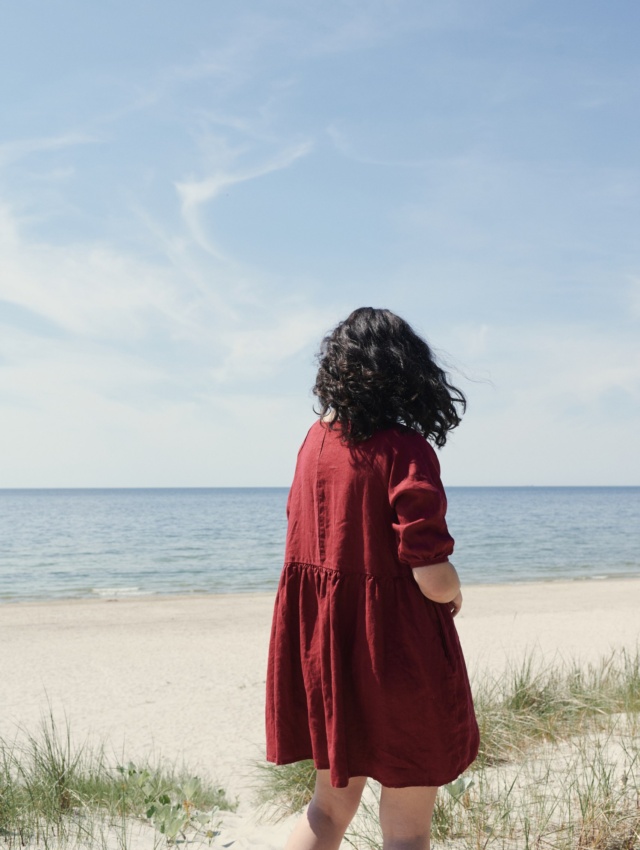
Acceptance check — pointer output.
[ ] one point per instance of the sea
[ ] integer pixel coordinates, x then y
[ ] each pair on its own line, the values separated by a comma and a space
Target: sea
111, 543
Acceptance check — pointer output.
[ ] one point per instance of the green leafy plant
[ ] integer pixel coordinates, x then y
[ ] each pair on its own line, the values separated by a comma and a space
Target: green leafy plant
172, 812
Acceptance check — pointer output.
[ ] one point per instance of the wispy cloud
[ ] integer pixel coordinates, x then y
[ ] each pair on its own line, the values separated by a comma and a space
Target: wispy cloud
345, 145
559, 366
195, 193
350, 27
20, 148
255, 352
548, 404
231, 63
96, 292
353, 27
147, 372
89, 289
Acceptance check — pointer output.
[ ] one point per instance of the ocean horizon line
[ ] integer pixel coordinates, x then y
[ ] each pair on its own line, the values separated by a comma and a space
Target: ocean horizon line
286, 487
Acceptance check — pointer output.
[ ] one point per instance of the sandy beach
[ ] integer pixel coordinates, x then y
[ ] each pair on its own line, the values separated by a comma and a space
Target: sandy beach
182, 678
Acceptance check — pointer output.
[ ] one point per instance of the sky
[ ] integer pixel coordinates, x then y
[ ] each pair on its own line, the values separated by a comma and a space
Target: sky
192, 194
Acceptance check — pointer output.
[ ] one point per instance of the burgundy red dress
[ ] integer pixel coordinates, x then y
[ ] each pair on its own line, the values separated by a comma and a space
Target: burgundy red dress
365, 674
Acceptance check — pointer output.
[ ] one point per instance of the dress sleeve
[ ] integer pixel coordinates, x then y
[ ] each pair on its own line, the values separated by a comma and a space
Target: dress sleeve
419, 502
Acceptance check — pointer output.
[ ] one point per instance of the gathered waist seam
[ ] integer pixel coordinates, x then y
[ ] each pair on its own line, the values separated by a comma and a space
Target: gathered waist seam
338, 572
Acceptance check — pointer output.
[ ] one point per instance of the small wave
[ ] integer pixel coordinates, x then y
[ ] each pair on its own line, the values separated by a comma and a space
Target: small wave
119, 591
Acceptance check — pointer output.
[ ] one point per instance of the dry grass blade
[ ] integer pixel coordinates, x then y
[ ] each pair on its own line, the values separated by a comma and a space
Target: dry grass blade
557, 766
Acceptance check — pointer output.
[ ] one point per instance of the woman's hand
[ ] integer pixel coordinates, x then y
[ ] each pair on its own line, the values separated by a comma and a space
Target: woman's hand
456, 604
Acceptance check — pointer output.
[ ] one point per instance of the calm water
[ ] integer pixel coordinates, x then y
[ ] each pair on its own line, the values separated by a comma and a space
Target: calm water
92, 543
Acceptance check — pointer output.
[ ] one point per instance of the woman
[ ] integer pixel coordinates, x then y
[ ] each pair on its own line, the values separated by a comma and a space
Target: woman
366, 675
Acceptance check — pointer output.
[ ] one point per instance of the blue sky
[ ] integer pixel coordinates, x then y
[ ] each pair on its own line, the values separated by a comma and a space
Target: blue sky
192, 194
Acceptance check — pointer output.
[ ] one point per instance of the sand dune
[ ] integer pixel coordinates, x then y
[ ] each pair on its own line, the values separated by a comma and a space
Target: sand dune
182, 678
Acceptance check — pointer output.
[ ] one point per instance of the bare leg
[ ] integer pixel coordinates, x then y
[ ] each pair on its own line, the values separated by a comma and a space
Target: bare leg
405, 817
323, 825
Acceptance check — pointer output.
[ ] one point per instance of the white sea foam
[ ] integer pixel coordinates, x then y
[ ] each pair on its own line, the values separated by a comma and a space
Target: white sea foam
119, 591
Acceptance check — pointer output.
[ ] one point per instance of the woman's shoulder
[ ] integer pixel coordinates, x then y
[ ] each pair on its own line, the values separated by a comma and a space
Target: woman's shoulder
396, 438
406, 446
403, 436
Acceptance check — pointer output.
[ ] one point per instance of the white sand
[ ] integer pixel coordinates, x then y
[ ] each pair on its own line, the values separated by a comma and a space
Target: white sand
183, 677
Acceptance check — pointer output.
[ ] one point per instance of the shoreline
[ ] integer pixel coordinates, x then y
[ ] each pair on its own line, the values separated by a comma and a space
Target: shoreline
159, 597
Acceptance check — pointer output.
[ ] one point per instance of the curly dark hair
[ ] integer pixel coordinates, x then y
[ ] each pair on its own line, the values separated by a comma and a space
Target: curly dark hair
375, 372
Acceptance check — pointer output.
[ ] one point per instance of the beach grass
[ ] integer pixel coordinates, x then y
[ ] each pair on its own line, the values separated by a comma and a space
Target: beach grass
531, 703
54, 793
582, 795
283, 790
558, 767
